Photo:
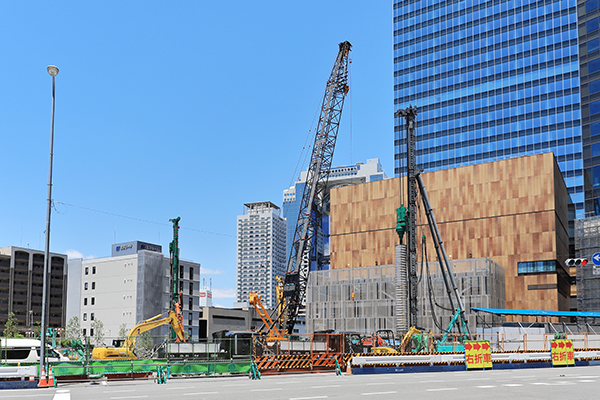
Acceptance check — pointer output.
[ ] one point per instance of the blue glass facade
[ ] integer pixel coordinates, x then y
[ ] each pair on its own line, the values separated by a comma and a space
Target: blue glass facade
492, 80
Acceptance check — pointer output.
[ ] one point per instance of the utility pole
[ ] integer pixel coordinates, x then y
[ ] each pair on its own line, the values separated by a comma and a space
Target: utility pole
412, 172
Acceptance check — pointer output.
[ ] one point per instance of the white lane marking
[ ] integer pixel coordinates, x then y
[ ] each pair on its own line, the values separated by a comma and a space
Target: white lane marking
119, 391
308, 398
129, 397
63, 391
486, 387
586, 380
63, 395
380, 383
377, 393
237, 384
479, 379
265, 390
440, 389
512, 384
432, 381
325, 386
286, 382
182, 387
199, 393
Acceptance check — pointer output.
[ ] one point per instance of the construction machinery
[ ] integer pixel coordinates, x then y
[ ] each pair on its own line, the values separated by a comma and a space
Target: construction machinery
174, 260
125, 348
303, 251
273, 334
406, 222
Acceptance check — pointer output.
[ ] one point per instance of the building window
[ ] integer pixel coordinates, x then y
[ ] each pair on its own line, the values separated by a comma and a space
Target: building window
94, 269
180, 286
85, 316
191, 273
593, 45
85, 301
93, 285
191, 304
595, 107
592, 25
84, 332
181, 271
86, 270
191, 288
532, 267
85, 286
93, 300
91, 332
91, 316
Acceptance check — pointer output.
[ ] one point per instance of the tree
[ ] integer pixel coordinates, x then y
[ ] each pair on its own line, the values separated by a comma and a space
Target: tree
37, 329
73, 329
144, 345
11, 329
98, 328
123, 331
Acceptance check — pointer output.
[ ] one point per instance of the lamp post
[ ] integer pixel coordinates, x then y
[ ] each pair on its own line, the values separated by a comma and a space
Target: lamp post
53, 71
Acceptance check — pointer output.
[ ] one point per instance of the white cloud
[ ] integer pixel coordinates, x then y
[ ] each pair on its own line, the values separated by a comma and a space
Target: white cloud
209, 271
76, 254
223, 293
73, 253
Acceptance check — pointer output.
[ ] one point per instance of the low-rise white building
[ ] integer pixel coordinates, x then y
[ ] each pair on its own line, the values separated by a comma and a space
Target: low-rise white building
132, 285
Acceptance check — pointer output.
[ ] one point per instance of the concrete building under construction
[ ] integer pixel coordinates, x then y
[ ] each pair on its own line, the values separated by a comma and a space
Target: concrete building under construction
512, 211
364, 299
587, 243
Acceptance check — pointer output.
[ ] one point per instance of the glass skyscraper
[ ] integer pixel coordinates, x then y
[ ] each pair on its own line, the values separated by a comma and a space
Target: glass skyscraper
499, 79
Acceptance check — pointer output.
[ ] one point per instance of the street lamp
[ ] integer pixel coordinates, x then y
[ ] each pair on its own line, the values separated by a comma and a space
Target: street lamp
53, 71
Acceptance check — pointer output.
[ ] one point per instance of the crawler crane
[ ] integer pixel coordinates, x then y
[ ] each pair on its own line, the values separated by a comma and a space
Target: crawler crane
304, 251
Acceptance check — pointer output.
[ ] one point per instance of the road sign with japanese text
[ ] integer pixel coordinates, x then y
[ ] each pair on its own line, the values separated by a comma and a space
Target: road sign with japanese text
562, 352
478, 354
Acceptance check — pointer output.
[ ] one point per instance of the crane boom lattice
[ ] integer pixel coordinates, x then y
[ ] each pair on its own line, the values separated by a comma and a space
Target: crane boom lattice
303, 249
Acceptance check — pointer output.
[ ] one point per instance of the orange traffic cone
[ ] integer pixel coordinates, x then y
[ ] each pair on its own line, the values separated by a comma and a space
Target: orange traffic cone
43, 382
51, 378
348, 369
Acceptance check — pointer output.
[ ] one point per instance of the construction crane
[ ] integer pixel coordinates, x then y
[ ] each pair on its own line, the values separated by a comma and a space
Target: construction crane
304, 250
409, 224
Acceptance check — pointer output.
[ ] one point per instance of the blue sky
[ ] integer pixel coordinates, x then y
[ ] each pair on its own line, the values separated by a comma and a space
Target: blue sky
185, 108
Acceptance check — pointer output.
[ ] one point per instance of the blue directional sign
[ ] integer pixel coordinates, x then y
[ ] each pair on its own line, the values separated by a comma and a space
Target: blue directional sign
596, 258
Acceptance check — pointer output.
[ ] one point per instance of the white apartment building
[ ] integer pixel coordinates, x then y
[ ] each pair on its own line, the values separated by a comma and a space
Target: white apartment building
261, 252
132, 285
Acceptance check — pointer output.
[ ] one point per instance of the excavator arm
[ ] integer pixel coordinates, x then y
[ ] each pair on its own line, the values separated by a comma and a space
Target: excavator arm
126, 351
151, 324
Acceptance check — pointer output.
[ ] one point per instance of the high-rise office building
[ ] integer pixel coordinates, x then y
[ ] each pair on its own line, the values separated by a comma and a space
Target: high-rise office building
339, 176
21, 286
260, 252
498, 79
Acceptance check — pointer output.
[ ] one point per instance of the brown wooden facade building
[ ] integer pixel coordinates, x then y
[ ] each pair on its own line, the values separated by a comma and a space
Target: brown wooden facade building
513, 211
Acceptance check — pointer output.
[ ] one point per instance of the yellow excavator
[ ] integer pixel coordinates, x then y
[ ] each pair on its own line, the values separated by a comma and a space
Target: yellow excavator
125, 351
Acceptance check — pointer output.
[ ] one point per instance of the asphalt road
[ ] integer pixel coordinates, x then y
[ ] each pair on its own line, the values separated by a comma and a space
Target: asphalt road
544, 383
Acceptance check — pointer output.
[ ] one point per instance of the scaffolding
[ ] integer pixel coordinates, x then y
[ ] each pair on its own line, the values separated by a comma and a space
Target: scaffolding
363, 300
587, 243
480, 282
358, 300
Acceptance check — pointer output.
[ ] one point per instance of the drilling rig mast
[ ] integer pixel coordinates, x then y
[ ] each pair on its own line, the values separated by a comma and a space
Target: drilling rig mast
415, 182
303, 251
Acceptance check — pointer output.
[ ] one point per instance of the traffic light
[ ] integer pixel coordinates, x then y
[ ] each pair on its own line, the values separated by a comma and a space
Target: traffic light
575, 262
